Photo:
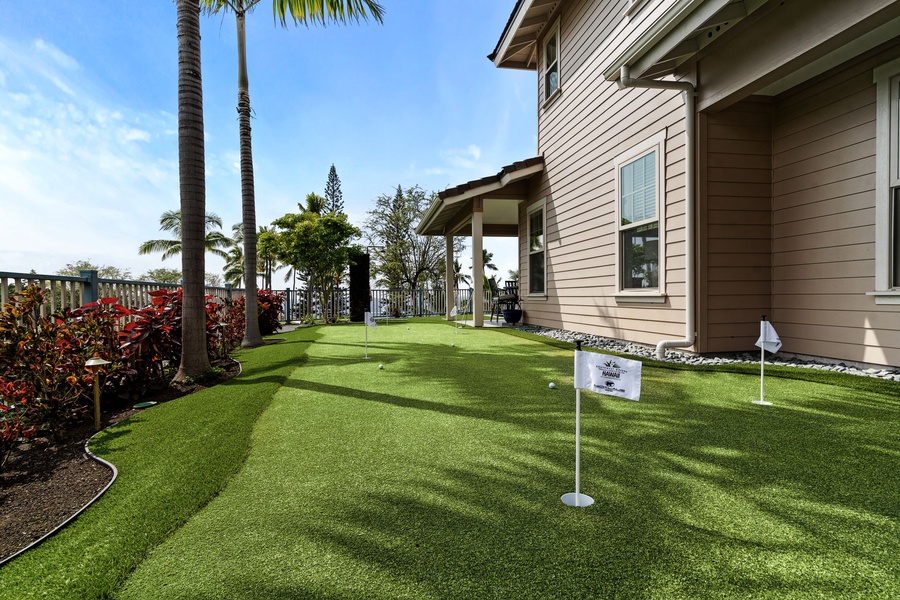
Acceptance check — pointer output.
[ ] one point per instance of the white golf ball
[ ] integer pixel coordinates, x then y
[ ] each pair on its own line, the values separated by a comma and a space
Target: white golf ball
453, 345
380, 366
552, 386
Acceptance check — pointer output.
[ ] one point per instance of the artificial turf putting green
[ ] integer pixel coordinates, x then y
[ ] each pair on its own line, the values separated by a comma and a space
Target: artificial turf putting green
440, 476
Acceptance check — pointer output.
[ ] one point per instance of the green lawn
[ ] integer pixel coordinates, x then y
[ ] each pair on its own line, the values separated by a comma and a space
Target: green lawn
440, 476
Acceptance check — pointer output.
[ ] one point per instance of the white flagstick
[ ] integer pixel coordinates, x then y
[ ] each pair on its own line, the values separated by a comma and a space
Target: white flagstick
762, 365
577, 498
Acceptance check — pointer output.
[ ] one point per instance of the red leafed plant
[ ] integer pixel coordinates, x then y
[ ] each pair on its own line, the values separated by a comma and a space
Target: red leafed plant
152, 340
43, 360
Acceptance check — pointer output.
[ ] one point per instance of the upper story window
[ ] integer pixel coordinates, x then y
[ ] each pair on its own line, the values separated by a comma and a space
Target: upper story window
887, 184
537, 256
551, 61
639, 243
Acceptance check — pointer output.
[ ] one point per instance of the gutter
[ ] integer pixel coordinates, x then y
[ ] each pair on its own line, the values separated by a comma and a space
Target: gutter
688, 92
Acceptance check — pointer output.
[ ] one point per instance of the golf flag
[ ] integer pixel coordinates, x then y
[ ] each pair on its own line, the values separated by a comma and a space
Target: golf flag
453, 311
768, 338
370, 320
609, 375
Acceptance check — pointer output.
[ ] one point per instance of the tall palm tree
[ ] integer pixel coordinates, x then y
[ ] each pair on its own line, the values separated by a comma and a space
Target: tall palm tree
301, 12
170, 220
192, 184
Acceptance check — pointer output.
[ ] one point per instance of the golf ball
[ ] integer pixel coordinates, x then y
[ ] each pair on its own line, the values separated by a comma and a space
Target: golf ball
552, 386
380, 366
453, 345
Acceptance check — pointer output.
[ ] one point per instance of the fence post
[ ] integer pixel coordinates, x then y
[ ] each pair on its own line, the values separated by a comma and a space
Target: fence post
228, 290
91, 286
286, 307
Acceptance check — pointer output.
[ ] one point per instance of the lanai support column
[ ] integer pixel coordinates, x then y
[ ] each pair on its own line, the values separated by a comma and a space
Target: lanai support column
448, 277
477, 262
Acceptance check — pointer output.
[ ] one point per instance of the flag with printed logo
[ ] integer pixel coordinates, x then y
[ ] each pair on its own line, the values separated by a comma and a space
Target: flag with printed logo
610, 375
370, 320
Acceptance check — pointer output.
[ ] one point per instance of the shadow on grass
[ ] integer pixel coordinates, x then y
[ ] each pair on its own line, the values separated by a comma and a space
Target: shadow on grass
699, 493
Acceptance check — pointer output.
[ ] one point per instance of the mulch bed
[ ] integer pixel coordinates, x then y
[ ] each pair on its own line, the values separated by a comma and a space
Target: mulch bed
44, 483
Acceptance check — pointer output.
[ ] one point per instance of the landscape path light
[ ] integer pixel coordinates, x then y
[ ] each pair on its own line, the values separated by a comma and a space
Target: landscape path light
94, 365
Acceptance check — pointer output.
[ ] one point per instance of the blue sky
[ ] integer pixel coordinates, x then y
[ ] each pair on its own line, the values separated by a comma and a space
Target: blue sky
88, 132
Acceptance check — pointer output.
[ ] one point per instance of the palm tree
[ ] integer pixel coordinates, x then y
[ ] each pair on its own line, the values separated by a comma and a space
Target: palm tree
486, 258
459, 277
234, 264
192, 184
301, 12
171, 221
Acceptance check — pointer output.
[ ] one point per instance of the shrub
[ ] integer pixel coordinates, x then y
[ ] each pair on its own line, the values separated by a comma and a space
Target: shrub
152, 340
269, 306
42, 376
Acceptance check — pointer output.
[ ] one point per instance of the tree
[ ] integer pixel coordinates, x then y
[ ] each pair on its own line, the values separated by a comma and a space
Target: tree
162, 275
267, 250
487, 261
317, 244
234, 264
170, 220
403, 258
334, 199
513, 274
301, 12
192, 184
105, 272
459, 277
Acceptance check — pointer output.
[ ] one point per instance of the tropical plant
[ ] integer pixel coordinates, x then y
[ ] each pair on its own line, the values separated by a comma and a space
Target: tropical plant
301, 12
170, 221
192, 184
153, 339
318, 245
513, 274
459, 277
487, 261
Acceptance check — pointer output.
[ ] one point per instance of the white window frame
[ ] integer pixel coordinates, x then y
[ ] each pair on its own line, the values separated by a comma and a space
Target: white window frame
655, 143
540, 205
887, 177
551, 33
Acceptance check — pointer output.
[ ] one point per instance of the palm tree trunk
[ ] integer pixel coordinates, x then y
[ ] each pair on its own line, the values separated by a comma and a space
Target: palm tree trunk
192, 182
252, 336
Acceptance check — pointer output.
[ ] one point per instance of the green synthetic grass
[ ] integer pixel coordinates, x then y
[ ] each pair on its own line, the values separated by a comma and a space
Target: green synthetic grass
440, 477
172, 459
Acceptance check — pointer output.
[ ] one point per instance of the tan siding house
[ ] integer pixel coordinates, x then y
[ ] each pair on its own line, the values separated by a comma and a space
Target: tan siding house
701, 163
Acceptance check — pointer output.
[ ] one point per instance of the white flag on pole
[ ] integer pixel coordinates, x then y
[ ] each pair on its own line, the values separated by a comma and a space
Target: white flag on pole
609, 375
453, 311
370, 320
768, 338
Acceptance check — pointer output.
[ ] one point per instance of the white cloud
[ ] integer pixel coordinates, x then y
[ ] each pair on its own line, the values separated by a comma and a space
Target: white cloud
58, 56
80, 177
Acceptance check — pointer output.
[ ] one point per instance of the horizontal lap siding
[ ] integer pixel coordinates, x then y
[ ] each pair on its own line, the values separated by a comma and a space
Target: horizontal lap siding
580, 134
824, 219
735, 260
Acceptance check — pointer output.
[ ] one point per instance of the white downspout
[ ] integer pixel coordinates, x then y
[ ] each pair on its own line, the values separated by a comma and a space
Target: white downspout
690, 145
